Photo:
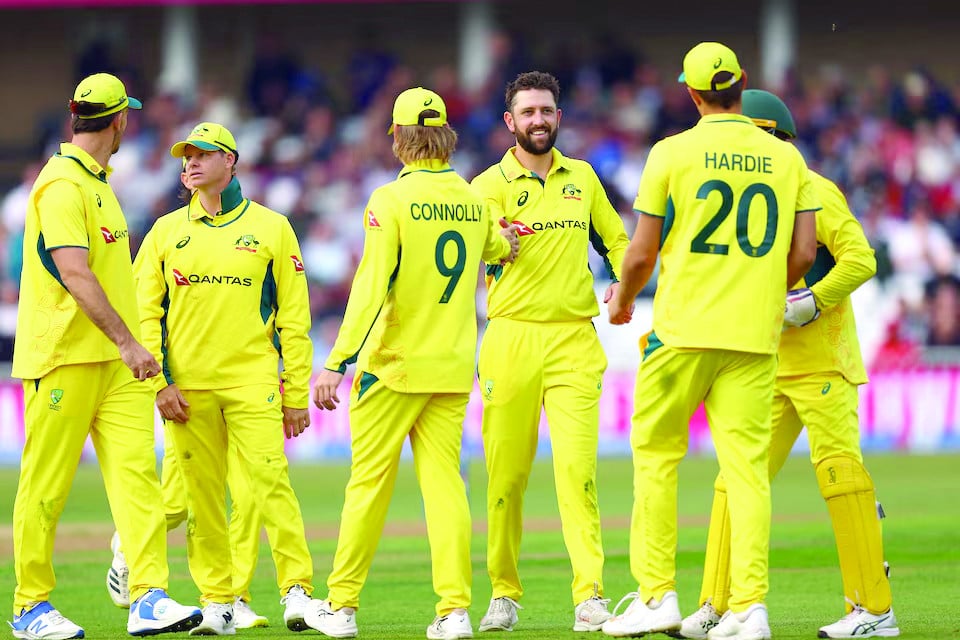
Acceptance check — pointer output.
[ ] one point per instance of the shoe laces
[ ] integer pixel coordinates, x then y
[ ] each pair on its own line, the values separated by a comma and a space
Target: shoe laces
596, 603
502, 605
294, 592
632, 598
855, 609
55, 617
704, 613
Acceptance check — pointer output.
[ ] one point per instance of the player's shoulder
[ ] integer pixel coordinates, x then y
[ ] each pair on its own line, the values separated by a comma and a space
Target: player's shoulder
830, 195
489, 177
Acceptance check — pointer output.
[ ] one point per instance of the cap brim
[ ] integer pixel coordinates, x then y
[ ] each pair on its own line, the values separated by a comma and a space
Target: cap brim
682, 77
390, 130
178, 149
133, 103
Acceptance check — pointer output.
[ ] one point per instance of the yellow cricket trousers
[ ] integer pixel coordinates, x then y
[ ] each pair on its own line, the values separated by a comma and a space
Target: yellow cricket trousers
523, 367
380, 420
827, 404
249, 417
737, 391
60, 410
246, 521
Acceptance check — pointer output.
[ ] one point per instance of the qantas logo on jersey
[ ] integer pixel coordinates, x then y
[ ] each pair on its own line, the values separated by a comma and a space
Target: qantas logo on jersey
112, 236
372, 220
557, 224
522, 229
202, 278
297, 264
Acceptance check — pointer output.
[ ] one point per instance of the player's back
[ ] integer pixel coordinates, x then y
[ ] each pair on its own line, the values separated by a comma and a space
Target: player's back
732, 192
425, 337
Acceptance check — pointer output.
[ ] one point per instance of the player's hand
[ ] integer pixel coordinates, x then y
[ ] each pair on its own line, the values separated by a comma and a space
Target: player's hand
140, 361
620, 313
509, 231
325, 389
801, 308
295, 421
172, 404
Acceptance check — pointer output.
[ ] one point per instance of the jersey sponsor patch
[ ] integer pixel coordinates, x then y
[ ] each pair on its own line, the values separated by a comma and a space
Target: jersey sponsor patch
297, 263
108, 236
180, 279
372, 219
522, 229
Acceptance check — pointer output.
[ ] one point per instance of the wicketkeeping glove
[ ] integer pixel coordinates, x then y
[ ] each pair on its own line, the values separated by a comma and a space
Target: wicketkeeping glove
801, 308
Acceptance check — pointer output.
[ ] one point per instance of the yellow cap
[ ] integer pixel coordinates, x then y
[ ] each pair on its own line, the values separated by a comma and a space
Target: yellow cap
410, 105
104, 93
208, 136
704, 62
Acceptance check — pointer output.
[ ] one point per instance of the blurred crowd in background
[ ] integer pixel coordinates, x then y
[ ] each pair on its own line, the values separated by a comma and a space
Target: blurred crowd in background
314, 148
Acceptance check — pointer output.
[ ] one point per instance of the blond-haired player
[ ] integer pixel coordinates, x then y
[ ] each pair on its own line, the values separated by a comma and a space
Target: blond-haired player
819, 370
729, 210
411, 328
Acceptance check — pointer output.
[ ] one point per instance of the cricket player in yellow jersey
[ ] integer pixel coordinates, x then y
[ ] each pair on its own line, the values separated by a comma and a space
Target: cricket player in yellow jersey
246, 521
77, 344
817, 378
731, 212
222, 294
540, 350
411, 327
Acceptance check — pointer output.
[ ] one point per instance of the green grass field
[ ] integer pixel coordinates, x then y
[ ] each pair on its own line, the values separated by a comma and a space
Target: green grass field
921, 537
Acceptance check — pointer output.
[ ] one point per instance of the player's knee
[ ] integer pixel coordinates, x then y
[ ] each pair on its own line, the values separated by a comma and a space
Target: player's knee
842, 475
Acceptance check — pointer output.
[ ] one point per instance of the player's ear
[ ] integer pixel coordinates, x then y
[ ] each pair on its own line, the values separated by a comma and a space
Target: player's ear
508, 120
559, 114
744, 79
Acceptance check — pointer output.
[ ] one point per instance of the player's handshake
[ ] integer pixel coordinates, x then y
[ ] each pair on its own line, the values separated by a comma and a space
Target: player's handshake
801, 308
509, 231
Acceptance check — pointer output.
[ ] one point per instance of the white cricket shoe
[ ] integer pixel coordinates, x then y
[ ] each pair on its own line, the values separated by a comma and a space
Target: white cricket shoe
217, 621
244, 617
501, 615
590, 614
118, 575
342, 623
453, 626
751, 624
43, 622
860, 623
696, 625
296, 602
640, 618
155, 612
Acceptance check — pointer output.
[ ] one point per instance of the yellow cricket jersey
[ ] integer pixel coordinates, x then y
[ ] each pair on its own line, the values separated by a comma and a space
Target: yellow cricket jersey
223, 298
411, 318
844, 261
728, 193
559, 217
71, 205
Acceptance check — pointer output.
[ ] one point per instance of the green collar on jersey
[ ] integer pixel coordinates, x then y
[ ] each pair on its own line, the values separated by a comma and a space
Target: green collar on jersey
231, 197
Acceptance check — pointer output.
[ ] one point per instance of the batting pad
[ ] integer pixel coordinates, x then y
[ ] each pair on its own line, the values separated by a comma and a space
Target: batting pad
716, 565
848, 490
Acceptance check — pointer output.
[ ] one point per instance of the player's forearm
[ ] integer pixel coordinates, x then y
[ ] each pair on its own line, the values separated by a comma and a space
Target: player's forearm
851, 271
635, 273
92, 300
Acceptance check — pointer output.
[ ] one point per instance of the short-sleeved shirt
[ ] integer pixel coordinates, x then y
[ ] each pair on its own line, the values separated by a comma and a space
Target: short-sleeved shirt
844, 261
728, 193
223, 296
71, 205
411, 318
559, 215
